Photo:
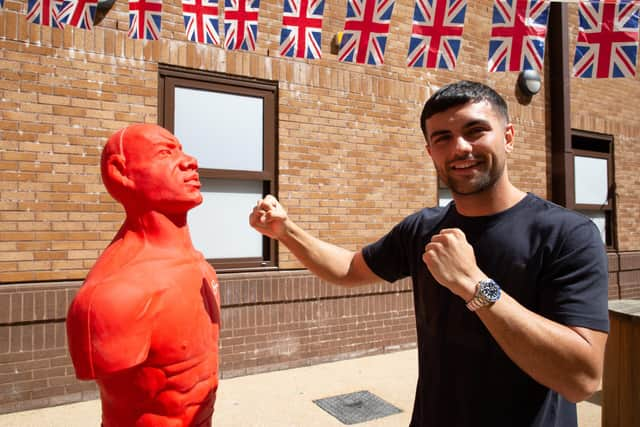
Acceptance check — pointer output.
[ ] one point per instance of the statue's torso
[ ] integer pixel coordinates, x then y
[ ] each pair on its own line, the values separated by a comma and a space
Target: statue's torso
170, 307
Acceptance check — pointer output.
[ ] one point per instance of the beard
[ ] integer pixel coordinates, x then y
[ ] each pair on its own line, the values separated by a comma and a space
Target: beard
481, 181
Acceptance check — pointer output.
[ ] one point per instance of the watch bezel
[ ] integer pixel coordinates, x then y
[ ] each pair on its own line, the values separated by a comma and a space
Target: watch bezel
489, 290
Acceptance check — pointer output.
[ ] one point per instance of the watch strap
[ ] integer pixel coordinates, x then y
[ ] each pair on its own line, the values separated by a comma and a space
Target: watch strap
479, 300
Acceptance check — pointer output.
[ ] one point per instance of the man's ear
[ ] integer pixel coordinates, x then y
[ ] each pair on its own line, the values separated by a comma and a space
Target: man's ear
117, 171
509, 134
427, 146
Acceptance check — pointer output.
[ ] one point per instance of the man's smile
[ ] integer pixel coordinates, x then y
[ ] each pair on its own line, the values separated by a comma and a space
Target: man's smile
464, 165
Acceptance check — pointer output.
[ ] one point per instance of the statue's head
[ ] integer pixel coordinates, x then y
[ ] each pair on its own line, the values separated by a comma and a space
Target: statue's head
144, 168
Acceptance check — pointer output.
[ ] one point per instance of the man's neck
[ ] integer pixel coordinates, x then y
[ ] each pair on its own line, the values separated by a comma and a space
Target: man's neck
489, 202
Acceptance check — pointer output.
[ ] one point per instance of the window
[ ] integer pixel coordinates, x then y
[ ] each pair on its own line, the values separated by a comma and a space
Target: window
444, 194
593, 189
229, 125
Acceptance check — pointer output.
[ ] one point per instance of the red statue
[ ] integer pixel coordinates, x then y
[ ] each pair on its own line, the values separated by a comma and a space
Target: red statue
145, 323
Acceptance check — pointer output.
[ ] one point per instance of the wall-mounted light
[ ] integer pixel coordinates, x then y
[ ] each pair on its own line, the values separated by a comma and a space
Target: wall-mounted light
529, 82
335, 43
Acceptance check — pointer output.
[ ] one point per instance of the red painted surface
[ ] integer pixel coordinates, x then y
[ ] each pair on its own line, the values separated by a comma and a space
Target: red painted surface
145, 323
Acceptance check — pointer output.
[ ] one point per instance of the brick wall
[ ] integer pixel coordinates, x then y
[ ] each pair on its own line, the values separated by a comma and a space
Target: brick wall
603, 105
270, 321
284, 320
629, 275
345, 130
351, 164
35, 368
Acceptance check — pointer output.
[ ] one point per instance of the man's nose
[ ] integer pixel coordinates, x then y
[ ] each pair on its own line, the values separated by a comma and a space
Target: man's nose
462, 146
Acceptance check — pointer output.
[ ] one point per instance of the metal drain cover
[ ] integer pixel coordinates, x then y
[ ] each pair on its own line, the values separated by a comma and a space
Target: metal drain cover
358, 407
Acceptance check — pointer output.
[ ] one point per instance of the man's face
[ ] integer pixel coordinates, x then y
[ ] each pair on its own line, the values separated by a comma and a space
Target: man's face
164, 177
468, 145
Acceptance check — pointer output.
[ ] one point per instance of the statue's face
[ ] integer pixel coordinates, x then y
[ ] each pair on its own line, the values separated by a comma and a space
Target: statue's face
164, 177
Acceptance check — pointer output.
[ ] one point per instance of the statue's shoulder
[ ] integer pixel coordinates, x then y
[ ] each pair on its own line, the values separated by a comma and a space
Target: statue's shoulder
119, 296
110, 324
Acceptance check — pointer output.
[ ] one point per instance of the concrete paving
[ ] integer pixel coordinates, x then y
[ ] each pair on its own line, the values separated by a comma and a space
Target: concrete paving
285, 398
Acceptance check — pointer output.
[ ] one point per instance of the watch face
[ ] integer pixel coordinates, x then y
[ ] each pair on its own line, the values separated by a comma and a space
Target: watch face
490, 290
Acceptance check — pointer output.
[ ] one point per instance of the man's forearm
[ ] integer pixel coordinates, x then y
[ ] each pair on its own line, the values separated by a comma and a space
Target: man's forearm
567, 360
329, 262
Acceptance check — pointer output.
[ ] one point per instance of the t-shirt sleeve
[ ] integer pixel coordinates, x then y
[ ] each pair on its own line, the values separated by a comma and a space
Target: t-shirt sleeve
575, 286
388, 257
108, 332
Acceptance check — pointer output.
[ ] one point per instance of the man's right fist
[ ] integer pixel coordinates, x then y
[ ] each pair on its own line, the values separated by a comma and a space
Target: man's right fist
268, 217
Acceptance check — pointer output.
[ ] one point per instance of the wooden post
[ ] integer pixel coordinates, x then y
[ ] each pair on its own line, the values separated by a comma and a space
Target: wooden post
621, 378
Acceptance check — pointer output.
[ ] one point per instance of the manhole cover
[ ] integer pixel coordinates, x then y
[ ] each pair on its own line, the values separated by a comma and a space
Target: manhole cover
358, 407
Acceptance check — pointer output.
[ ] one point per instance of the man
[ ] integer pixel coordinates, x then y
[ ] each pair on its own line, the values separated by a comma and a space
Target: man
145, 323
510, 291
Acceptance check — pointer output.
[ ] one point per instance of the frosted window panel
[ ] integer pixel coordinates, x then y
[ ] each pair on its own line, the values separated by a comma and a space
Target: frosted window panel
599, 219
444, 196
222, 131
220, 225
591, 181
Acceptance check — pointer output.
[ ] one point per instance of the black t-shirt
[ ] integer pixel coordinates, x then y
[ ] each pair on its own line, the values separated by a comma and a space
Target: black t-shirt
551, 260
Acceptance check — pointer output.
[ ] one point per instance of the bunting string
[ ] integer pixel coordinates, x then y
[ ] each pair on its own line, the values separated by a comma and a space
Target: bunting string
606, 45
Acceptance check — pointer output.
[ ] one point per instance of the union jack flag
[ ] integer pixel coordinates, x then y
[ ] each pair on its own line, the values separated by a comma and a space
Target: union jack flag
301, 34
365, 31
79, 13
241, 24
518, 35
44, 12
607, 43
201, 21
436, 35
144, 19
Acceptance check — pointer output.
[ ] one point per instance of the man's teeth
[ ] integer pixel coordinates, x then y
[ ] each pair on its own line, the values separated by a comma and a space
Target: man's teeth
464, 165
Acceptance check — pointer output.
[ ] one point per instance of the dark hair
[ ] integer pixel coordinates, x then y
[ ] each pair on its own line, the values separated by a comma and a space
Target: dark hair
459, 93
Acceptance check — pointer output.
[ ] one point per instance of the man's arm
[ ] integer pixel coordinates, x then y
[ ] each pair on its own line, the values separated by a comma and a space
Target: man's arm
329, 262
566, 359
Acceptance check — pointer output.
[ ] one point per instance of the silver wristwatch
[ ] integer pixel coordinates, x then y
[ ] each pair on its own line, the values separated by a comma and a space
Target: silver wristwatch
487, 292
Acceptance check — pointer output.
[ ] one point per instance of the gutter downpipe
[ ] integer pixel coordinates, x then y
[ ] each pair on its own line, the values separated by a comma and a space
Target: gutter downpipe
559, 102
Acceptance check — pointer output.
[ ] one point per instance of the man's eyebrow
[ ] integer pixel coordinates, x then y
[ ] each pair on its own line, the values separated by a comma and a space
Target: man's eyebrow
438, 133
468, 125
477, 122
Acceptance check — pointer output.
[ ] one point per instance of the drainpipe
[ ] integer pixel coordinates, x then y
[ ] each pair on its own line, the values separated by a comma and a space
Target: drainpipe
559, 102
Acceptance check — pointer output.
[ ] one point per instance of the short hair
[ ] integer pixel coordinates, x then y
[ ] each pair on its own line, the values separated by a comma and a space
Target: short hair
460, 93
